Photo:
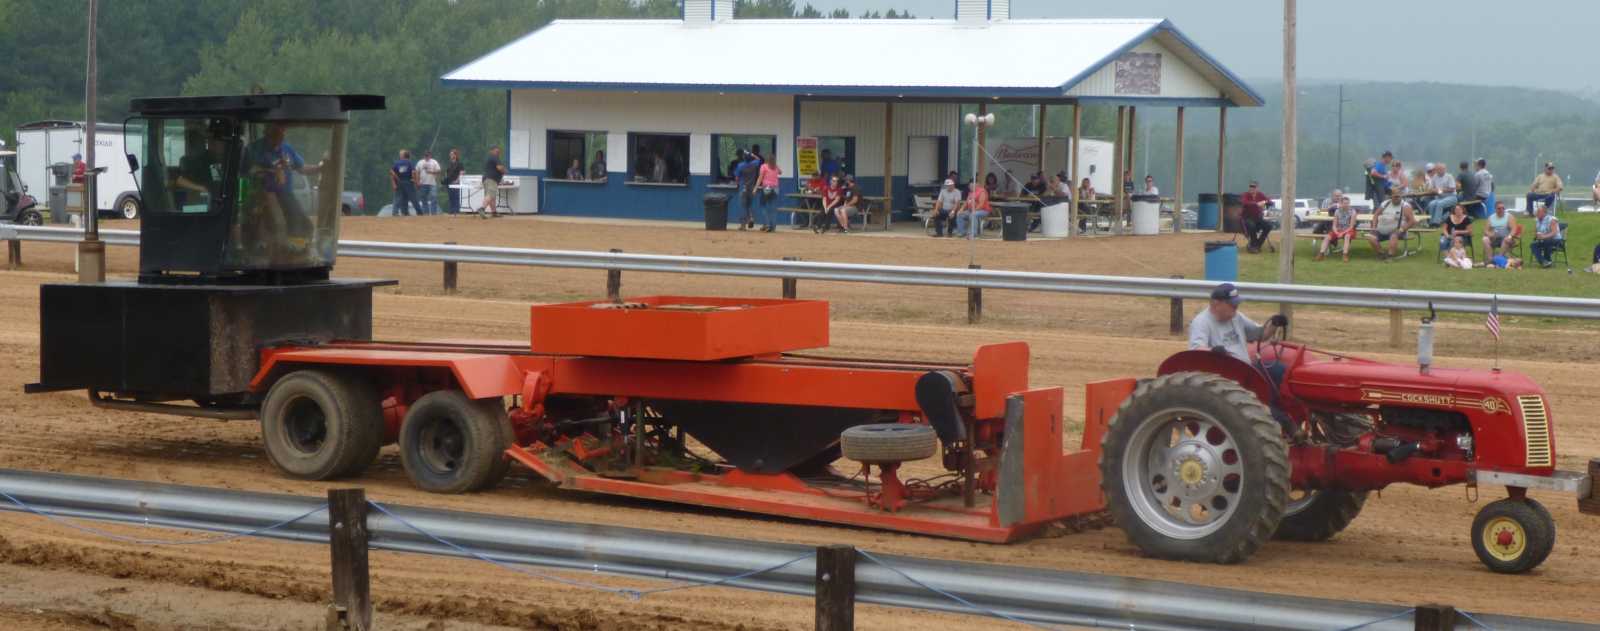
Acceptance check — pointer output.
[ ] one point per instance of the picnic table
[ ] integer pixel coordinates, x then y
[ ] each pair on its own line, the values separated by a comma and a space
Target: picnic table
810, 204
1413, 236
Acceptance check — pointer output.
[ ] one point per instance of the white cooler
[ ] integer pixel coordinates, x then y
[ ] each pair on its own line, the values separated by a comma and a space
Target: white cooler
1054, 220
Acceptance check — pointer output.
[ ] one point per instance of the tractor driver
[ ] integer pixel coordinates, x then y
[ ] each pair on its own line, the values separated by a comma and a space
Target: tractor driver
200, 170
1220, 328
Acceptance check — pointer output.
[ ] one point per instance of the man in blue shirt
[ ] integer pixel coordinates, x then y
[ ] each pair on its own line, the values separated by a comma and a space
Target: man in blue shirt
403, 181
274, 163
830, 165
1378, 178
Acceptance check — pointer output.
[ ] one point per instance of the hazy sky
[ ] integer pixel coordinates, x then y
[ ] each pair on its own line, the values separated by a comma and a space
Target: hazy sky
1541, 43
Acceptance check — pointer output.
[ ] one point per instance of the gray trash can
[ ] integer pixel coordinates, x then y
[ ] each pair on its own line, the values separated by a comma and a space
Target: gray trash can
716, 208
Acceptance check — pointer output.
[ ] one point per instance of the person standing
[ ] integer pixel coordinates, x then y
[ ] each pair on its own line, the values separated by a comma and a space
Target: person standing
403, 181
1546, 188
1378, 177
1252, 214
427, 182
1150, 186
747, 176
970, 221
768, 182
597, 169
1483, 185
493, 173
452, 179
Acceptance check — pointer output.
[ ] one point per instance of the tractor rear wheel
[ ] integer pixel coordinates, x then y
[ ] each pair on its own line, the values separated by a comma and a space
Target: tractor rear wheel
320, 425
1194, 468
452, 444
1319, 514
1512, 536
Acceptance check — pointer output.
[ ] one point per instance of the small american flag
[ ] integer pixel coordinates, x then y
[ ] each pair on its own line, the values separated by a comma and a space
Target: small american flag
1493, 321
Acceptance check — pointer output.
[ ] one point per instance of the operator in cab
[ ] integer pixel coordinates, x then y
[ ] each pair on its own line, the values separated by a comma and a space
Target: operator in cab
1220, 328
200, 169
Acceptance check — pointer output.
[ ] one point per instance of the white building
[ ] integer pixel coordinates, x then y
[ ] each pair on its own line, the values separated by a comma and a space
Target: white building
692, 90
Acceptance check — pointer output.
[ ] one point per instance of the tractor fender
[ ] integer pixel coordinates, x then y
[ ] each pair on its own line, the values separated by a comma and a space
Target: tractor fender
1223, 365
480, 376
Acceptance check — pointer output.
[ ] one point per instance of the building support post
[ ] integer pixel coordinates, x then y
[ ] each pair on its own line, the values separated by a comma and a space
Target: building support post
1039, 164
1118, 162
1222, 168
888, 165
1177, 181
1072, 159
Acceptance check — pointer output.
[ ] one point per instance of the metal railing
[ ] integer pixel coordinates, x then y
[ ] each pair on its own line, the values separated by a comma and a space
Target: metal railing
1032, 594
1391, 299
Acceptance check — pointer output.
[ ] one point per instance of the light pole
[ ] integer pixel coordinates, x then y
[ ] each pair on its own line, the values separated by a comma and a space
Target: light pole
1290, 146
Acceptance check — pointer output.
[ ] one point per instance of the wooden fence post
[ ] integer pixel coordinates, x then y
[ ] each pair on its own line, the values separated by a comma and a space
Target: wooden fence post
974, 300
1591, 504
614, 282
1396, 329
347, 539
449, 273
836, 588
791, 286
13, 254
1175, 326
1435, 618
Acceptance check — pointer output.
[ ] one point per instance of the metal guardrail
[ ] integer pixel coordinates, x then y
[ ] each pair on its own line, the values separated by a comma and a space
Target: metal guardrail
1032, 594
1391, 299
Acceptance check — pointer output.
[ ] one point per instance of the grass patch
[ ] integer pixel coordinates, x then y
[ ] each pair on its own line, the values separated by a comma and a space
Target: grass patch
1424, 271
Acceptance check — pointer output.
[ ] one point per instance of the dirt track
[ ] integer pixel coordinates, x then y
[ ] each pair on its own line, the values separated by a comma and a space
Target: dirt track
1409, 545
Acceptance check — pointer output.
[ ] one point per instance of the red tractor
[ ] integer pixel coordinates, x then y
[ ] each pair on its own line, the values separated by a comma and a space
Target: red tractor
1214, 456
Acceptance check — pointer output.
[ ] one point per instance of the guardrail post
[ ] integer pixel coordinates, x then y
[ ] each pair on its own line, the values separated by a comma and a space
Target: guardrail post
449, 273
347, 538
13, 254
614, 282
1435, 618
791, 286
1175, 326
974, 300
1395, 328
836, 588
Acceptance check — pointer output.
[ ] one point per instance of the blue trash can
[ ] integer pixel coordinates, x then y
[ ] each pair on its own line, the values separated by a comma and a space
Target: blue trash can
1208, 213
1222, 261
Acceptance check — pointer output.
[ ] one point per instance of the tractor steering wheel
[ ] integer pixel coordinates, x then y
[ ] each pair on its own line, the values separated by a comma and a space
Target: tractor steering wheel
1280, 334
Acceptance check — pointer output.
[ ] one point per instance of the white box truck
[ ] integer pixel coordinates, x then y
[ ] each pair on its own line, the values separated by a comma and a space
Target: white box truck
43, 143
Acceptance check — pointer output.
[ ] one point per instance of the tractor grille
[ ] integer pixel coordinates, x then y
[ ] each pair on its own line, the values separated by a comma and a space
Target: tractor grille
1535, 429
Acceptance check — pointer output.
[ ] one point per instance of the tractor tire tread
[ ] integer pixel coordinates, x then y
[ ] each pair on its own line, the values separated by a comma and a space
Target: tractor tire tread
486, 430
1329, 511
354, 424
889, 442
1264, 430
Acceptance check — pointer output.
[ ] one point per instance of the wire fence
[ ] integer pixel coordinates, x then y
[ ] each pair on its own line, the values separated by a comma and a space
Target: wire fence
966, 605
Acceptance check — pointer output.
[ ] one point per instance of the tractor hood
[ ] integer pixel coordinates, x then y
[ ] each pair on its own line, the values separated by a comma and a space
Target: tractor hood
1348, 379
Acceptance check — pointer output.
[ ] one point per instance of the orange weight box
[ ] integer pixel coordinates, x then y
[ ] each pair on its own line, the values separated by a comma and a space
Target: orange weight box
680, 328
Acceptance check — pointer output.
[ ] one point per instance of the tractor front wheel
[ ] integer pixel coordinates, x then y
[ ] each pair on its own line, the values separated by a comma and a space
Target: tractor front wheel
1512, 536
320, 425
1194, 468
452, 444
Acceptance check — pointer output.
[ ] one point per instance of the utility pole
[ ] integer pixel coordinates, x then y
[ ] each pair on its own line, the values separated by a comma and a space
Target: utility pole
1286, 214
91, 251
1338, 163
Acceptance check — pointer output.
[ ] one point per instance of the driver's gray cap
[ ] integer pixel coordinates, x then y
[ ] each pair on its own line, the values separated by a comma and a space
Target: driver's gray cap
1228, 292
